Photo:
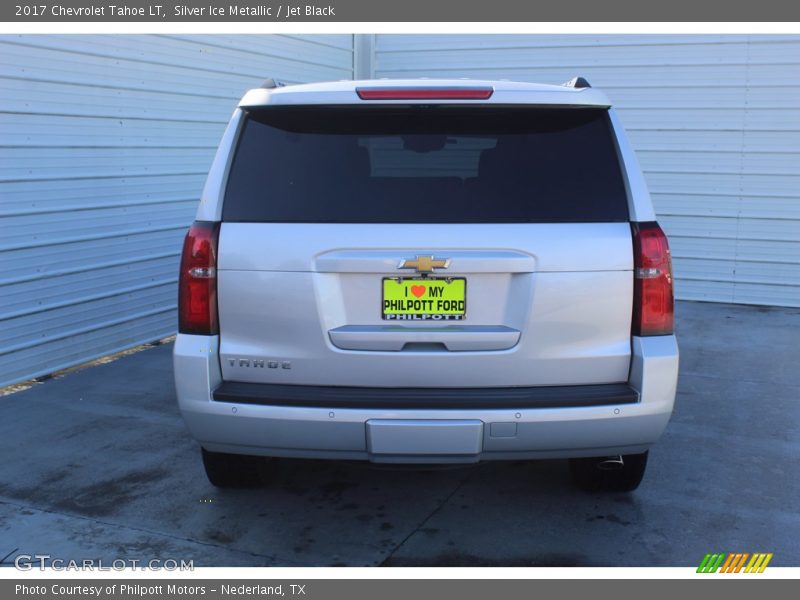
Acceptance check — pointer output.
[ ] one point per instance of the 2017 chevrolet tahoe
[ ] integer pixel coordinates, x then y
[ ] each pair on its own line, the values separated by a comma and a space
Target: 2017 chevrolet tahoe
426, 271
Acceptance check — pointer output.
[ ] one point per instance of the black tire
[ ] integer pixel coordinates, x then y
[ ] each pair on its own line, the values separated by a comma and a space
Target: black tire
589, 477
234, 470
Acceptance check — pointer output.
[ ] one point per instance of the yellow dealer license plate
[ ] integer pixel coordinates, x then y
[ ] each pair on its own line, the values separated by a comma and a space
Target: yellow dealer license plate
442, 299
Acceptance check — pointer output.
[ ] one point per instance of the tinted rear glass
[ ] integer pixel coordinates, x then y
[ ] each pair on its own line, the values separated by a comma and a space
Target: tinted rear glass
426, 164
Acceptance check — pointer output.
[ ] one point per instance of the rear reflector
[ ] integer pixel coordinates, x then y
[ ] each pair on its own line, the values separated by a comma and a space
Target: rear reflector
197, 284
653, 309
482, 93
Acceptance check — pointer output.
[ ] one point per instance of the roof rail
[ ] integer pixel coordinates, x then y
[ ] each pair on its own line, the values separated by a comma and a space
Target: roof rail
577, 83
271, 84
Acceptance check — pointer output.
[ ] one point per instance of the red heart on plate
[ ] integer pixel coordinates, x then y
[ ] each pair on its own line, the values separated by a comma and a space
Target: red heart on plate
418, 290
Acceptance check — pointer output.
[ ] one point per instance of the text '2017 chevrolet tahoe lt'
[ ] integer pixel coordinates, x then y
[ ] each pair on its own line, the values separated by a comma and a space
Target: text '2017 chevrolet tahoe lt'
426, 271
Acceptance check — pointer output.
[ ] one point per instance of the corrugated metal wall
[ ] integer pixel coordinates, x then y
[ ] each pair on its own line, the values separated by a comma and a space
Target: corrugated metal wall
105, 140
715, 121
104, 146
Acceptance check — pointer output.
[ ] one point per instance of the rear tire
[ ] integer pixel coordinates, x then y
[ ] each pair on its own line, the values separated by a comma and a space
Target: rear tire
234, 470
588, 477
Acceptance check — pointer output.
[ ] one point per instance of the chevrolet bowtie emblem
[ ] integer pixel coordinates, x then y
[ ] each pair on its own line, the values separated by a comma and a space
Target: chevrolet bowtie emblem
424, 264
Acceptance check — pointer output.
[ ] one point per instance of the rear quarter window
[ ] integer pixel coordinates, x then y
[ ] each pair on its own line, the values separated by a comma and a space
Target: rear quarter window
425, 164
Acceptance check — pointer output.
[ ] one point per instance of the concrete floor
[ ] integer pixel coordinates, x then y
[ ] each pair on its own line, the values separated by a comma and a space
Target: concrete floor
98, 464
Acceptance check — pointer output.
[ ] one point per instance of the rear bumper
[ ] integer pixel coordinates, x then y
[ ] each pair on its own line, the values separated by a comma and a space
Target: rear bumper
431, 425
314, 396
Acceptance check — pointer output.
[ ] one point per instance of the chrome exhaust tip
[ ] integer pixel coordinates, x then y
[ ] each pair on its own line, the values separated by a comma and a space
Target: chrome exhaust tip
611, 463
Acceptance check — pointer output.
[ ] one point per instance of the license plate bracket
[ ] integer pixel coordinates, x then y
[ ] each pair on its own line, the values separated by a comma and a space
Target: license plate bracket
423, 298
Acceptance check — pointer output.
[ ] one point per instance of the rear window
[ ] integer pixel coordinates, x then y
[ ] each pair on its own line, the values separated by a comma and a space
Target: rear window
425, 164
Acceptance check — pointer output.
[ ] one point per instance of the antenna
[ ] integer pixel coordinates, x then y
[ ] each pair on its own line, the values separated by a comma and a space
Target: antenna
577, 83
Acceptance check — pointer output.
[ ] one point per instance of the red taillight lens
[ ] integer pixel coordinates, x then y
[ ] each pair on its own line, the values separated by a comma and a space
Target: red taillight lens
197, 285
653, 310
480, 93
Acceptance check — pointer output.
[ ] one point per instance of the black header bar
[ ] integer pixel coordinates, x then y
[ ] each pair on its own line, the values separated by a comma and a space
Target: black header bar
444, 11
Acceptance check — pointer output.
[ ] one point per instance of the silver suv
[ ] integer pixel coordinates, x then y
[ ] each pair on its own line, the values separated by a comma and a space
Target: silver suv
426, 271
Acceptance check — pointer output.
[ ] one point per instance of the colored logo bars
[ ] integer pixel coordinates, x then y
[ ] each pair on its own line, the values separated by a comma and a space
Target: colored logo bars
734, 562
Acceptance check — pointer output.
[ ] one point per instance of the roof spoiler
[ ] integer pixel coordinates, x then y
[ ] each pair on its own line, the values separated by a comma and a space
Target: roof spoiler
577, 83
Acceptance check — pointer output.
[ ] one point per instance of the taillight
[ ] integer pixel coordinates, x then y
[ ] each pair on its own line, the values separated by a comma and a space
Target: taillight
653, 310
197, 284
452, 93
